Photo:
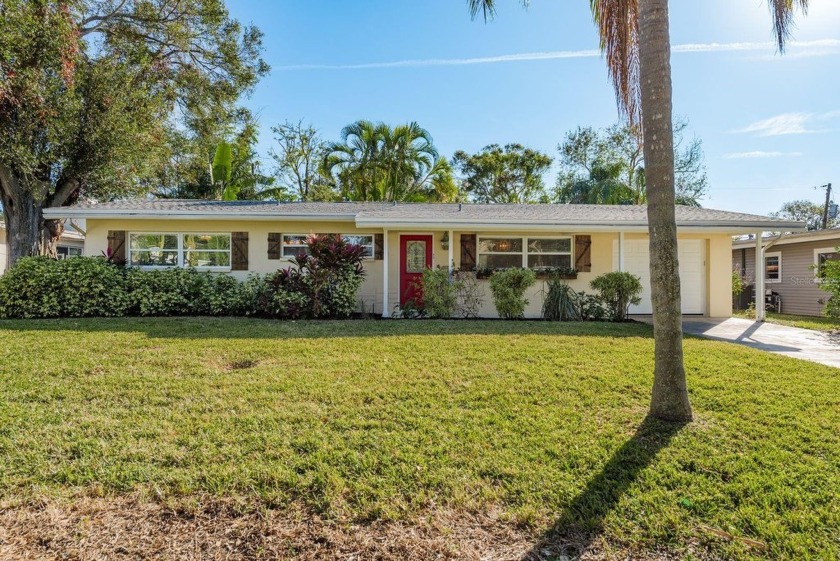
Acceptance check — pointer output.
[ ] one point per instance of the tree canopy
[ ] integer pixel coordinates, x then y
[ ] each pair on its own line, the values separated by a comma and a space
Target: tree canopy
377, 162
606, 166
509, 174
92, 90
805, 211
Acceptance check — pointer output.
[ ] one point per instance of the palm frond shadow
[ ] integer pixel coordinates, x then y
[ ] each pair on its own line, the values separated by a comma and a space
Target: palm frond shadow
582, 522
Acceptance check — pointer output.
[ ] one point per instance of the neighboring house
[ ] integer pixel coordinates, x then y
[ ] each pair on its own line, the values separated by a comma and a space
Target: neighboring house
243, 237
70, 244
790, 268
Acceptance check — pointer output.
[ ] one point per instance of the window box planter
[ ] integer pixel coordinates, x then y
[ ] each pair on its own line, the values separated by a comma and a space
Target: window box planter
542, 274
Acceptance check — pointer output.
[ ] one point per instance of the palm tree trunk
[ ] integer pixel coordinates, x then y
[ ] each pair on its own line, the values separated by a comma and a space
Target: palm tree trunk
669, 400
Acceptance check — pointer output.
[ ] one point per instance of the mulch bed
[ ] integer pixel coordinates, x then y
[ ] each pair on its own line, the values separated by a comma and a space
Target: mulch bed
124, 528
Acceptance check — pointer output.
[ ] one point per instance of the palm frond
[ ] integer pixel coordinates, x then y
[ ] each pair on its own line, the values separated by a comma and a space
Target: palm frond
618, 29
783, 18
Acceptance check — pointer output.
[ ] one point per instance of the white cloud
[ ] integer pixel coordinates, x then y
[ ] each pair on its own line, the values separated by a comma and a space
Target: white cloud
789, 123
797, 48
760, 154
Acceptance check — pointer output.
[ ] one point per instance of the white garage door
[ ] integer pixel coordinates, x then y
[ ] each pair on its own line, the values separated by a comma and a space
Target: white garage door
692, 256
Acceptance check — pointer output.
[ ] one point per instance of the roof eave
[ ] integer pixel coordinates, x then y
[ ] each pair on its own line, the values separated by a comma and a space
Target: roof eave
62, 212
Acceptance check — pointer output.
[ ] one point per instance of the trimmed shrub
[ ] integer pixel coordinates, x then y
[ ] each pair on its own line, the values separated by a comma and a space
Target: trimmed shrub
440, 293
168, 292
592, 308
618, 290
39, 287
508, 287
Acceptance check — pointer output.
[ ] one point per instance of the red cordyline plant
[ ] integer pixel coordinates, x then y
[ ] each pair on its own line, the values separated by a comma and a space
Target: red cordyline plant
322, 283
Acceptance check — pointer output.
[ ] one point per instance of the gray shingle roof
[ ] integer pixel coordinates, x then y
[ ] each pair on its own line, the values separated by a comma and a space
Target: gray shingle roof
442, 215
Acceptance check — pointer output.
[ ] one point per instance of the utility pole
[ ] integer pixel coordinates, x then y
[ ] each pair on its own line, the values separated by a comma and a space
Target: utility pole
827, 203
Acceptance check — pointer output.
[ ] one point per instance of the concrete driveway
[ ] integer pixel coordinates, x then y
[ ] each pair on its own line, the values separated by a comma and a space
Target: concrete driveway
806, 344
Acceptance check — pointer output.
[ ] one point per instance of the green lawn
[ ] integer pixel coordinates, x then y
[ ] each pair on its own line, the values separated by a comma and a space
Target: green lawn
388, 420
805, 322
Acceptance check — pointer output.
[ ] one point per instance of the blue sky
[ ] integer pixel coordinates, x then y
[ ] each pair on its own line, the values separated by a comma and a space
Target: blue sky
770, 124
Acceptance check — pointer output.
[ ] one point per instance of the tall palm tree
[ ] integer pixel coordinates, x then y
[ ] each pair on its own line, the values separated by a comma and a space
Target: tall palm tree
374, 162
635, 39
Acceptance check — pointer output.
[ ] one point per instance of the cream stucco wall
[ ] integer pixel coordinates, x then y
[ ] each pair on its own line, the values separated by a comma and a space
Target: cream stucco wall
718, 261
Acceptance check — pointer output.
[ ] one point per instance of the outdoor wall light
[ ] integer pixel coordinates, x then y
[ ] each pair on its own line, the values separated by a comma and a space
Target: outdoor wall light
444, 241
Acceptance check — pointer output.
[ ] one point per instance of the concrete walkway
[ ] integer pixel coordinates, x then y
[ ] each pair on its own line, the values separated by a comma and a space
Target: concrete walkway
794, 342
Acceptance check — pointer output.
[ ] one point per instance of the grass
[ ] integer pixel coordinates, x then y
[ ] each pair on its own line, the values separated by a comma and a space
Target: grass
385, 420
805, 322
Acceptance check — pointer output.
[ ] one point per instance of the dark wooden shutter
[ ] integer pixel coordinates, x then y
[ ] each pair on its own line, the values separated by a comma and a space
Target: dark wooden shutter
468, 252
116, 246
583, 254
378, 246
274, 245
239, 251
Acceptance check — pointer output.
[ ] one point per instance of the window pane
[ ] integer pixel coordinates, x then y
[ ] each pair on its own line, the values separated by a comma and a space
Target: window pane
491, 261
364, 241
549, 261
206, 241
294, 245
563, 245
207, 258
772, 268
823, 257
154, 258
500, 245
154, 241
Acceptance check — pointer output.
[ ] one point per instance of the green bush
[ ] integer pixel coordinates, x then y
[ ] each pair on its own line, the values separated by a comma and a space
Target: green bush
618, 291
830, 275
440, 293
39, 287
168, 292
592, 308
508, 287
561, 302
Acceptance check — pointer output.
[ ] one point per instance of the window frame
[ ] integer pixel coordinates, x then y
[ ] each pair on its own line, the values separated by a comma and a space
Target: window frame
180, 250
371, 245
525, 253
817, 252
777, 254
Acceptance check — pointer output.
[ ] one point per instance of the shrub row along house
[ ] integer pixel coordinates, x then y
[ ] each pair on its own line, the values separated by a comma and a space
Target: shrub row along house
792, 265
579, 242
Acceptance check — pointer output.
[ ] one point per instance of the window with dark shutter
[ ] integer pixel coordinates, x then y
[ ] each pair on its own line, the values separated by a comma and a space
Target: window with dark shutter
583, 254
467, 252
274, 245
116, 246
239, 246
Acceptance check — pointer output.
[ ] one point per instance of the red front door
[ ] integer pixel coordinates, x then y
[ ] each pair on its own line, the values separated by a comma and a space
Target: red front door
415, 257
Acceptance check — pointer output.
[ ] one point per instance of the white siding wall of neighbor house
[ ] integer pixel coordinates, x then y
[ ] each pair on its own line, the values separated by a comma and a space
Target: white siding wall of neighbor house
800, 292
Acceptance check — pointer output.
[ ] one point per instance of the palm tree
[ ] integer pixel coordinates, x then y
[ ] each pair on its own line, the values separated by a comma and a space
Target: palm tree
635, 39
374, 162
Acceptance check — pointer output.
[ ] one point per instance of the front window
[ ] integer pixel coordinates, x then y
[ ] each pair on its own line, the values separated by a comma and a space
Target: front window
531, 253
201, 251
773, 267
549, 253
823, 256
64, 252
295, 244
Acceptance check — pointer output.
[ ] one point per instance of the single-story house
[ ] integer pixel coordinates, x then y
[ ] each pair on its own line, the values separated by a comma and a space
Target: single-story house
242, 237
70, 244
791, 264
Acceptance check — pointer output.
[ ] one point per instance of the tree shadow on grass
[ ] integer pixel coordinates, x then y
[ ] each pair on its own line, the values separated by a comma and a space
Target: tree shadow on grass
582, 522
198, 327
